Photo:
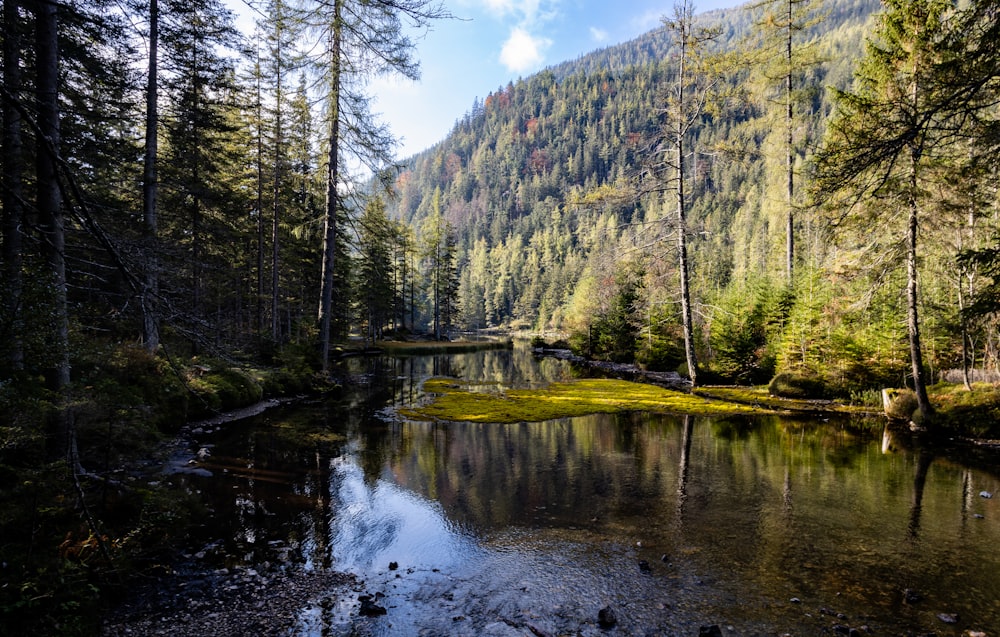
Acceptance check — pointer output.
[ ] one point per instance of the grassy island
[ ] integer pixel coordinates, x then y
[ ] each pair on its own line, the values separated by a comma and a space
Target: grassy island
454, 400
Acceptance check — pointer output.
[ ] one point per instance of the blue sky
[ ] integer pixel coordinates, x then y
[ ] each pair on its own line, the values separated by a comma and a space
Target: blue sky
492, 42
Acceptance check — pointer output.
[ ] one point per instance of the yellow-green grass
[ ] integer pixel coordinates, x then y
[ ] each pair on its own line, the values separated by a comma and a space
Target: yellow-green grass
973, 413
451, 400
760, 397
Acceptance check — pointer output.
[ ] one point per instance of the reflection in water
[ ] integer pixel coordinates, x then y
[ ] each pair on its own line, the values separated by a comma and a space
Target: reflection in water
682, 482
541, 524
924, 460
375, 524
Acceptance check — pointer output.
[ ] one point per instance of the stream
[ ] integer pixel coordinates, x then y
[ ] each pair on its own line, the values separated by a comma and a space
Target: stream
757, 526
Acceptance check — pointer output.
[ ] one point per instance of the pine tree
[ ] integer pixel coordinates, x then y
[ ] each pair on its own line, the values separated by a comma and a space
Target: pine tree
150, 187
375, 291
786, 59
688, 91
12, 190
363, 39
48, 196
886, 132
197, 125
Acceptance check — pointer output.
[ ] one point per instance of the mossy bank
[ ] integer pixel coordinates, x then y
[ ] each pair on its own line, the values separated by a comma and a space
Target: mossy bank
78, 526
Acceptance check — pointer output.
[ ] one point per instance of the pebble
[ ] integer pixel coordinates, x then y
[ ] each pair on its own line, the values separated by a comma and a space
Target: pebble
606, 617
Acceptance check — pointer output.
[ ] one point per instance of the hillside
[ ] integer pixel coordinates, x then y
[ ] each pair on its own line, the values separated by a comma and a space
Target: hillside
531, 179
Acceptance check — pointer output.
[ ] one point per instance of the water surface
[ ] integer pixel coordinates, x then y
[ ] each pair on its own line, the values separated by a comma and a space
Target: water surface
764, 526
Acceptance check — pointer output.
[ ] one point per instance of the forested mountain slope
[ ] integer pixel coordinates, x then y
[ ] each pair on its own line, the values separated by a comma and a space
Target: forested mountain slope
544, 187
534, 179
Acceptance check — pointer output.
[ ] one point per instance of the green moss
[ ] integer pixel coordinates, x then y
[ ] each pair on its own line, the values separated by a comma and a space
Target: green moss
221, 388
454, 401
797, 385
302, 433
973, 413
762, 397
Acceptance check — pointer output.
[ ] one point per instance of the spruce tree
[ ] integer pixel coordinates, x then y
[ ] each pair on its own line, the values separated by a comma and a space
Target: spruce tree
886, 132
362, 39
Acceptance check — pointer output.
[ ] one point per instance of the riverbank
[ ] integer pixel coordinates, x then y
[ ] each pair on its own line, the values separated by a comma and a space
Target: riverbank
240, 601
80, 538
76, 534
968, 415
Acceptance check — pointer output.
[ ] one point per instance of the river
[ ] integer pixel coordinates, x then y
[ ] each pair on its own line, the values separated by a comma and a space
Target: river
760, 526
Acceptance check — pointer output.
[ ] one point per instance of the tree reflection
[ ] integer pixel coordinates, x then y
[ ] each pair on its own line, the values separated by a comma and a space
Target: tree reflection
924, 460
685, 464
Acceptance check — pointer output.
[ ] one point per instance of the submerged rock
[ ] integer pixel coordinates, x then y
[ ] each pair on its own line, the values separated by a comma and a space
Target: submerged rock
369, 608
606, 617
710, 631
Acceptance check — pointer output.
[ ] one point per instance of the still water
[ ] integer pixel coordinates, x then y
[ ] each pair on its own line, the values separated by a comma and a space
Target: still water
763, 526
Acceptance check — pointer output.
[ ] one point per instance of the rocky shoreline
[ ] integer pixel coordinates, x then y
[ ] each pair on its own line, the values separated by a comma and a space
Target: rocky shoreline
227, 602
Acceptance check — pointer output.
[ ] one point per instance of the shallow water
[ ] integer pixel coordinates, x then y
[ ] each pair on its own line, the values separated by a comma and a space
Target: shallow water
763, 526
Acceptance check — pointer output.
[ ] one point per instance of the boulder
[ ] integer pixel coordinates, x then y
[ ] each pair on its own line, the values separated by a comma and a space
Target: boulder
899, 404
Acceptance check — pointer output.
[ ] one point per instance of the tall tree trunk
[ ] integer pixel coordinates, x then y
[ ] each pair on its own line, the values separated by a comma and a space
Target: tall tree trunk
682, 253
51, 221
49, 196
332, 195
196, 186
912, 297
151, 283
437, 291
260, 199
12, 188
684, 268
276, 189
789, 154
966, 337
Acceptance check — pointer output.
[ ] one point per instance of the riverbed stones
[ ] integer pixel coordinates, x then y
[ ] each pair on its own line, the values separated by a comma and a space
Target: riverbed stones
240, 601
369, 607
948, 618
606, 617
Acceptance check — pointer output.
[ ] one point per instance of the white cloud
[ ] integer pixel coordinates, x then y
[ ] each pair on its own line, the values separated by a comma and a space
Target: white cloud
649, 20
523, 51
598, 35
500, 7
527, 12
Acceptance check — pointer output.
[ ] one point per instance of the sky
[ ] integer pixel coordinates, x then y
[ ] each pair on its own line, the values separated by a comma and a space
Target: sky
489, 43
493, 42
